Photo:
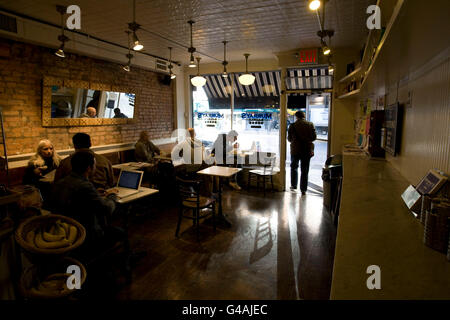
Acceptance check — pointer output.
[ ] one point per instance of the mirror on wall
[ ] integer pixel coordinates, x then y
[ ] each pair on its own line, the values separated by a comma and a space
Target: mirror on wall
88, 103
68, 102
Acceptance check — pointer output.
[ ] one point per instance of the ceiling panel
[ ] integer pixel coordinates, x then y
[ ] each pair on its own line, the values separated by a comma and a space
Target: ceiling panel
260, 27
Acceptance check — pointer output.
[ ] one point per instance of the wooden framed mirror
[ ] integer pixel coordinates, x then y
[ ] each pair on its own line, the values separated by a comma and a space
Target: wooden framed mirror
71, 103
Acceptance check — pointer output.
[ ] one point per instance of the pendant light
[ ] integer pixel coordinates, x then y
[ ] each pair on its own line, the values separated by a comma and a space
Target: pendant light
133, 26
127, 67
314, 4
198, 80
246, 79
191, 49
172, 75
224, 62
61, 37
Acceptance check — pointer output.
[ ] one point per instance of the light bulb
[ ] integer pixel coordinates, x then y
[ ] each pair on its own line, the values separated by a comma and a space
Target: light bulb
173, 76
60, 53
126, 68
314, 4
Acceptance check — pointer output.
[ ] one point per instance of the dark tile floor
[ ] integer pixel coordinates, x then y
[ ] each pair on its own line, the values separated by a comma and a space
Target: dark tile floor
279, 247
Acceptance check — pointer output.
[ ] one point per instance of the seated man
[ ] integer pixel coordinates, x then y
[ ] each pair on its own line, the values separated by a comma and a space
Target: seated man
91, 112
190, 152
119, 114
102, 178
145, 150
76, 197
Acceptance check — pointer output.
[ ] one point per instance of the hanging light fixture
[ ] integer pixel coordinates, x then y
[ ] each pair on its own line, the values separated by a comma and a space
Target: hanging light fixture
246, 79
61, 37
127, 67
191, 49
224, 62
198, 80
133, 26
323, 34
172, 75
314, 4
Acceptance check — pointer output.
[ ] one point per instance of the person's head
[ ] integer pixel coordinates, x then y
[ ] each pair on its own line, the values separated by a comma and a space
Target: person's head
232, 135
191, 132
83, 162
300, 115
117, 111
91, 112
143, 136
45, 149
81, 141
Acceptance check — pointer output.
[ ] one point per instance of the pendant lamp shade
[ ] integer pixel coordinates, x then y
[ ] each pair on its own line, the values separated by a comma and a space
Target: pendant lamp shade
246, 79
198, 80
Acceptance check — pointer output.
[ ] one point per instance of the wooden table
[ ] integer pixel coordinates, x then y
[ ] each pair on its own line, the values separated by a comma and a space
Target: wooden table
143, 192
132, 166
220, 172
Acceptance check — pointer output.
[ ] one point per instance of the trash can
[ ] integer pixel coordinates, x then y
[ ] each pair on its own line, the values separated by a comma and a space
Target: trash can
331, 172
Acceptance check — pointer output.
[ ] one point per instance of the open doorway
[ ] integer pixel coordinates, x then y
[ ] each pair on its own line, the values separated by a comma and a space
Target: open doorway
316, 107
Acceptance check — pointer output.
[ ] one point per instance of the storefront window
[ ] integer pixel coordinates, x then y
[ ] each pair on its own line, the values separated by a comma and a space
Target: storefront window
256, 113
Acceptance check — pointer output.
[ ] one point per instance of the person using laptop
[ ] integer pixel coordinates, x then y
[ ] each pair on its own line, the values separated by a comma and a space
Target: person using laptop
76, 197
128, 184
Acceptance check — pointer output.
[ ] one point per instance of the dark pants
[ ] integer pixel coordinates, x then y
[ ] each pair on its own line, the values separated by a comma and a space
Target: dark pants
304, 167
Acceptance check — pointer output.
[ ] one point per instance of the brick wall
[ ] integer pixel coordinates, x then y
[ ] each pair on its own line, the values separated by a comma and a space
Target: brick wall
22, 68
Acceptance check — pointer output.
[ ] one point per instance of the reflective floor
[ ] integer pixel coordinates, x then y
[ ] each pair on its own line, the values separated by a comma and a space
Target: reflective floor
279, 247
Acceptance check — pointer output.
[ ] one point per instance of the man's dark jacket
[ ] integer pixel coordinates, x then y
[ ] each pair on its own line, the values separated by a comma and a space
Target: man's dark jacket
74, 196
301, 134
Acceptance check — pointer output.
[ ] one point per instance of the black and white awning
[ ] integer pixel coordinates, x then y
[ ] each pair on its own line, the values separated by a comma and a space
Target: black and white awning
267, 84
308, 79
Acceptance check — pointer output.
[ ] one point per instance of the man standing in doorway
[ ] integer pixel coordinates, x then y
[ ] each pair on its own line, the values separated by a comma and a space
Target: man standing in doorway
301, 135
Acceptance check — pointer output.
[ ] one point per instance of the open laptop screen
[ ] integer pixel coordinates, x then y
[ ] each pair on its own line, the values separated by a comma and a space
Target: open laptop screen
129, 179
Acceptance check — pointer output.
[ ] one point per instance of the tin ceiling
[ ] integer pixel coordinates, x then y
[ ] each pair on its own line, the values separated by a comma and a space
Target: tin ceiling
259, 27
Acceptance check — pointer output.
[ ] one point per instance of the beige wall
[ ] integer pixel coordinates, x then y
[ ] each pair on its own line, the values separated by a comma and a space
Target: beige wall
415, 58
342, 110
426, 134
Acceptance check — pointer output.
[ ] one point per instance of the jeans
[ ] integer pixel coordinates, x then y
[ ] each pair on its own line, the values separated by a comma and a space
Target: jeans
304, 168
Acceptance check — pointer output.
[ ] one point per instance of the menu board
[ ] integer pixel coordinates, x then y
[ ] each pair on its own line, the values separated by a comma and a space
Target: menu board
392, 125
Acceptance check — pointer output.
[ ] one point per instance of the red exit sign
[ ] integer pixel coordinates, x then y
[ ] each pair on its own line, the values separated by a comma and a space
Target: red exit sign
307, 56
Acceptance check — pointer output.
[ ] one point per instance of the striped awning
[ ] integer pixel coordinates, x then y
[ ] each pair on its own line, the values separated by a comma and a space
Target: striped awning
267, 84
308, 79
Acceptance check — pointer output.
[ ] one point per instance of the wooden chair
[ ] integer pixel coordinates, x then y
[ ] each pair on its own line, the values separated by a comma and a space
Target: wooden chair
192, 202
265, 172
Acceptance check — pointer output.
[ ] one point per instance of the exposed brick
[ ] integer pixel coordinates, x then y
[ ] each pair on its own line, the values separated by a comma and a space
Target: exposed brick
22, 69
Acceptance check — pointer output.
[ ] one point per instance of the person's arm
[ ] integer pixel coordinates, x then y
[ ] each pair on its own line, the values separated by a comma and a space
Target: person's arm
141, 152
103, 207
313, 133
177, 152
110, 175
291, 133
154, 148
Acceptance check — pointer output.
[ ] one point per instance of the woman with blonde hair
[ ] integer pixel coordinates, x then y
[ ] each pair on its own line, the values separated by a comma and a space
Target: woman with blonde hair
44, 161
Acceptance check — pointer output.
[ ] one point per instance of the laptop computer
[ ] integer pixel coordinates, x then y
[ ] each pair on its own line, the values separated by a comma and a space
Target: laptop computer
129, 183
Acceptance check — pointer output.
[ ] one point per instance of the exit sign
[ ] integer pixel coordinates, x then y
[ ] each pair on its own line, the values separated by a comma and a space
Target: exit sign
307, 56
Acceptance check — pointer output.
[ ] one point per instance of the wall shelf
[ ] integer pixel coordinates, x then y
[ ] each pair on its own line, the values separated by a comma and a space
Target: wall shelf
351, 74
349, 94
368, 60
